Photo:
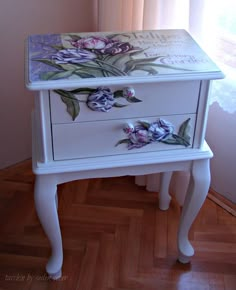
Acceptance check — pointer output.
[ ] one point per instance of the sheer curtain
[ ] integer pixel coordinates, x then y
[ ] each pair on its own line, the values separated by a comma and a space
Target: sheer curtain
118, 15
209, 29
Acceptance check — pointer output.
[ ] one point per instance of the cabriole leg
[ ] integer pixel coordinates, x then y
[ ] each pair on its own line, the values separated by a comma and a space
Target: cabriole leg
45, 203
164, 197
196, 195
56, 200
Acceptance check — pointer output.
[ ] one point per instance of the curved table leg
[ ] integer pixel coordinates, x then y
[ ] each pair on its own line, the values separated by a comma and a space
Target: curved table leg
45, 203
164, 197
196, 195
56, 200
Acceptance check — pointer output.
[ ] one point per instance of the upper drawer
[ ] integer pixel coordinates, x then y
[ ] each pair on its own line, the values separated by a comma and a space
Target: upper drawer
151, 99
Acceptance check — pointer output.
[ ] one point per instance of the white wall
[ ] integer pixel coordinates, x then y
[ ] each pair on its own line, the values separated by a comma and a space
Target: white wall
18, 19
221, 136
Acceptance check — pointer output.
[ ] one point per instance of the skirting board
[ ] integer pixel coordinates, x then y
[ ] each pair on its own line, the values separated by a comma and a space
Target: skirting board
222, 201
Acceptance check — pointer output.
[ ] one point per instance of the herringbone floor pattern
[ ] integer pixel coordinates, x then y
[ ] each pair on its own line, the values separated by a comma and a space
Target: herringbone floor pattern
114, 237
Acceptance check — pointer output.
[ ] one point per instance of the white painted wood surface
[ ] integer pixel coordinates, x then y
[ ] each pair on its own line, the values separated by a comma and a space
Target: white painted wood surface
66, 150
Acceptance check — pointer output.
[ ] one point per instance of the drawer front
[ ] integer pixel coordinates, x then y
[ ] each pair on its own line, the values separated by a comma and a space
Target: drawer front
152, 99
126, 136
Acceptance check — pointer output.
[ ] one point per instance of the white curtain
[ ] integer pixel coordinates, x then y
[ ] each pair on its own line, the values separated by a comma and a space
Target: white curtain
213, 24
118, 15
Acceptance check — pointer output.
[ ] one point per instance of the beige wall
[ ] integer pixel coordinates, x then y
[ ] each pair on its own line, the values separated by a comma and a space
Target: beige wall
18, 19
221, 136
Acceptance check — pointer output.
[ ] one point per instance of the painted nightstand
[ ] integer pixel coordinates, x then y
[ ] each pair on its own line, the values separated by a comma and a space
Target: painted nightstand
113, 104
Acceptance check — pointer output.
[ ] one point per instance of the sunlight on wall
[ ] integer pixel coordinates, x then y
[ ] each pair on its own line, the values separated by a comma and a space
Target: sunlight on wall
220, 41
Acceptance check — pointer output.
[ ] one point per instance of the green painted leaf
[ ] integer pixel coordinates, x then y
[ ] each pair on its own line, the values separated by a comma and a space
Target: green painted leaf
137, 52
82, 91
184, 128
69, 66
73, 108
89, 71
130, 65
84, 75
123, 141
108, 68
72, 104
119, 60
118, 35
147, 68
181, 140
48, 62
57, 47
99, 69
47, 75
117, 105
175, 139
133, 100
118, 94
61, 75
144, 124
56, 75
143, 60
74, 37
171, 141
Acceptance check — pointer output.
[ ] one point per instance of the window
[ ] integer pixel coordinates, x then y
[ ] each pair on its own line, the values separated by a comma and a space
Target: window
219, 37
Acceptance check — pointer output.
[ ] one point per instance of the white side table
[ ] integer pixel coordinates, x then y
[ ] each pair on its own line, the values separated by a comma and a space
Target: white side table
113, 104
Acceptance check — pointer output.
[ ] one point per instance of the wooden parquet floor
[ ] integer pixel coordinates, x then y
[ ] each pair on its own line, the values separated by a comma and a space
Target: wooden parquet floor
114, 237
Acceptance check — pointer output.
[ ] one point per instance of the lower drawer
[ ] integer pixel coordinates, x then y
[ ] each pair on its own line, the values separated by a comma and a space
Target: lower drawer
91, 139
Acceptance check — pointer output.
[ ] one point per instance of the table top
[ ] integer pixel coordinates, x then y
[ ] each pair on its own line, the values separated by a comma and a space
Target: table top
72, 59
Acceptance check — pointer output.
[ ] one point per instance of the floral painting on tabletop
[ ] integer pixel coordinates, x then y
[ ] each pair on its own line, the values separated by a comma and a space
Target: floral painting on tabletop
93, 55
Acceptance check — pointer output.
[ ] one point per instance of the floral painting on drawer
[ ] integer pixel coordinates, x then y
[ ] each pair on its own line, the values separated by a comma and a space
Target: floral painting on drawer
94, 55
144, 133
101, 99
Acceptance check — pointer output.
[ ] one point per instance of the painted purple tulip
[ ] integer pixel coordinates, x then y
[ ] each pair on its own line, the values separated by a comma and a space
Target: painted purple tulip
73, 56
101, 100
117, 47
102, 45
160, 130
92, 42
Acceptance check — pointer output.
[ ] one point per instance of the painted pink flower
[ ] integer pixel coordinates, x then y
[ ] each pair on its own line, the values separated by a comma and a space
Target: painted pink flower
102, 45
128, 128
138, 138
92, 42
128, 92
